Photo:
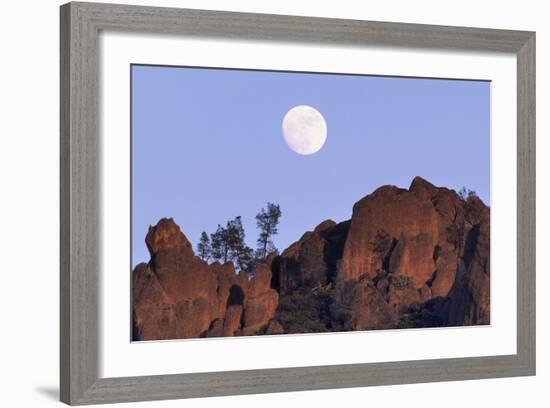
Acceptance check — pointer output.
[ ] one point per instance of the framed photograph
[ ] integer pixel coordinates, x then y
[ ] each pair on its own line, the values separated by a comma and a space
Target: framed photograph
261, 203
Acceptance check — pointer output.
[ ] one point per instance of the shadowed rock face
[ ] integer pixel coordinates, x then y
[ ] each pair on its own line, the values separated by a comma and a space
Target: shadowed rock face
407, 258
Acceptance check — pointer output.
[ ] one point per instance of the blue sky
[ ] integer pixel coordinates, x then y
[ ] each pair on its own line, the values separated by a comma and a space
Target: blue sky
207, 145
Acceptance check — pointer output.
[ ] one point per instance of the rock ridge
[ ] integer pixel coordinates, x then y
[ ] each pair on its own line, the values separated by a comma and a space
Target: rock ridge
416, 257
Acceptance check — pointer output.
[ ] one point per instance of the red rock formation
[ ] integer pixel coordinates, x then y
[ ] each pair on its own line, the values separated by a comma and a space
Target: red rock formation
407, 258
153, 315
446, 266
312, 260
401, 215
479, 277
468, 301
166, 235
232, 321
258, 311
261, 301
229, 290
184, 283
177, 295
413, 257
274, 327
370, 310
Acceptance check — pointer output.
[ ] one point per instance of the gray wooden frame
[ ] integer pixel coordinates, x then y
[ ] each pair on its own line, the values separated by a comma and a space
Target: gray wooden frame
80, 234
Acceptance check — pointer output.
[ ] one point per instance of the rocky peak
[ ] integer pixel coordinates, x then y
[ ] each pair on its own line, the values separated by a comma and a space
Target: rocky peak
389, 214
177, 295
166, 235
422, 188
324, 226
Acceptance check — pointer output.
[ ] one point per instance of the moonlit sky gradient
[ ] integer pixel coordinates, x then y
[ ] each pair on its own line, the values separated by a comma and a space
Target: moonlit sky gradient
207, 145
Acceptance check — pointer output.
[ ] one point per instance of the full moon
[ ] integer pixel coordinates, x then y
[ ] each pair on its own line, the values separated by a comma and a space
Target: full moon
304, 129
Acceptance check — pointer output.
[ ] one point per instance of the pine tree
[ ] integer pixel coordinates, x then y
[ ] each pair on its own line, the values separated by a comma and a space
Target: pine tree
239, 252
204, 249
466, 194
219, 244
228, 244
245, 259
267, 221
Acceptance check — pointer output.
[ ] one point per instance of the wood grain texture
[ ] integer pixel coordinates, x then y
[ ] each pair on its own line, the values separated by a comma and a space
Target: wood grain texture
80, 189
526, 192
79, 204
